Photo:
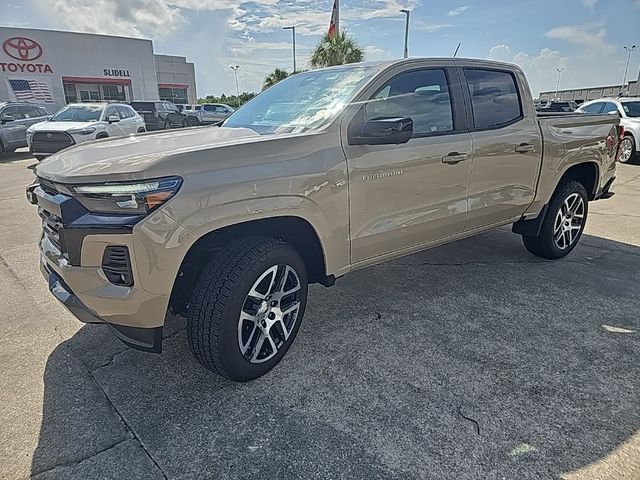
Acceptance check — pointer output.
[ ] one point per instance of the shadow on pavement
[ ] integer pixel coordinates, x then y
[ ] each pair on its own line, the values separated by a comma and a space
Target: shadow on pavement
390, 372
14, 156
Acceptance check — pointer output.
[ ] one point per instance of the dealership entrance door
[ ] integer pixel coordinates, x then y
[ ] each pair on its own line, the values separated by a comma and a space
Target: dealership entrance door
79, 89
88, 92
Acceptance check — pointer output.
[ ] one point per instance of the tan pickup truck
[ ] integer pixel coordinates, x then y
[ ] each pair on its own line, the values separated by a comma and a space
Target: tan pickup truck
324, 173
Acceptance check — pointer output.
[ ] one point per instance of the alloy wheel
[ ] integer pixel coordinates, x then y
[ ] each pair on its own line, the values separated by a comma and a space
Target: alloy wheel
626, 150
569, 221
269, 313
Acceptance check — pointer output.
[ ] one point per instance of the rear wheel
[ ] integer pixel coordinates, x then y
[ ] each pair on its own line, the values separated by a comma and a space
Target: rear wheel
627, 149
246, 307
564, 223
141, 130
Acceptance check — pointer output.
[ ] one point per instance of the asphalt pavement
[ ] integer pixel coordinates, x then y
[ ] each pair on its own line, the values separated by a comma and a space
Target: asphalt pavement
472, 360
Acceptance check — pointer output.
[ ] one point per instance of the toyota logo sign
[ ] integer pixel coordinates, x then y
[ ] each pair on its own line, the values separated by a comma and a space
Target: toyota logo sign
22, 48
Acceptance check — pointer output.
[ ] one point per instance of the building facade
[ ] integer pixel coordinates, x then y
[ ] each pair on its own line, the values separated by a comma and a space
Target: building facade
54, 68
581, 95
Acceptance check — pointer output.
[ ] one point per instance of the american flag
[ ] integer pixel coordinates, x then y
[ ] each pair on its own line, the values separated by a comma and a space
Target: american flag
27, 90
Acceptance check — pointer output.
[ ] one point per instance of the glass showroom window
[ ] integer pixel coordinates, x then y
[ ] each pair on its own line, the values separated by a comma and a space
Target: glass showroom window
114, 93
70, 95
174, 95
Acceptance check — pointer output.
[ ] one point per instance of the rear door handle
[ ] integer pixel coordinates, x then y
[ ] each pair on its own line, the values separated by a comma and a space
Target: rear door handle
524, 148
454, 158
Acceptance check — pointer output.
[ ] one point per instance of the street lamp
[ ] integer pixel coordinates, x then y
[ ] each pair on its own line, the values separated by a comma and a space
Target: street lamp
629, 49
406, 33
293, 31
559, 70
235, 69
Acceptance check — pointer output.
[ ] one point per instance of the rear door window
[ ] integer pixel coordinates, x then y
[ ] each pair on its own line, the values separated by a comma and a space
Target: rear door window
610, 107
495, 99
28, 111
12, 111
594, 108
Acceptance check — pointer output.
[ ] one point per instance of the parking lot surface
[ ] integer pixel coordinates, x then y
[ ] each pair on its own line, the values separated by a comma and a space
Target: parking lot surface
473, 360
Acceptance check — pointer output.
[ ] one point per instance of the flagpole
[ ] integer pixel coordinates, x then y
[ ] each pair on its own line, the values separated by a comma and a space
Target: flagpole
338, 17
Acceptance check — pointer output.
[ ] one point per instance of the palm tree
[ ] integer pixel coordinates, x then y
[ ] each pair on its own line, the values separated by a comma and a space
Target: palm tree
336, 49
274, 77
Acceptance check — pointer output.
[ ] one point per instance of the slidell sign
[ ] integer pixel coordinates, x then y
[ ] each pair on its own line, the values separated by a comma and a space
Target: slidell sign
25, 52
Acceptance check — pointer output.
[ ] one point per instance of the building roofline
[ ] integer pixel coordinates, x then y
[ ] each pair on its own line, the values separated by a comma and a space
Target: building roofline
51, 30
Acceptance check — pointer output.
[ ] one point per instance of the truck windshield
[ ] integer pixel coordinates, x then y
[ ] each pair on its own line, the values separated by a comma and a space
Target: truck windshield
303, 102
78, 113
632, 109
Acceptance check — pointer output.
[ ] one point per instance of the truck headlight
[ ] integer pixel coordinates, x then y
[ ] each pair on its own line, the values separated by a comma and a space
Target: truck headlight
127, 198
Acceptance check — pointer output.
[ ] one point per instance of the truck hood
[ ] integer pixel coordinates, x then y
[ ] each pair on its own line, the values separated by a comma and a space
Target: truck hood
139, 156
49, 126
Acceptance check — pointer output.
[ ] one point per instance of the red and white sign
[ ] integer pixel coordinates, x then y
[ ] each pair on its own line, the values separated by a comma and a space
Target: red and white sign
23, 49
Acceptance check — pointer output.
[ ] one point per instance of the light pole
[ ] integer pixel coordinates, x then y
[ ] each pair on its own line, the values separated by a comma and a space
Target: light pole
406, 33
293, 32
559, 70
629, 49
235, 69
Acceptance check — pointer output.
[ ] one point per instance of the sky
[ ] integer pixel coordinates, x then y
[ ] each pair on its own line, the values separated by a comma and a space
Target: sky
584, 36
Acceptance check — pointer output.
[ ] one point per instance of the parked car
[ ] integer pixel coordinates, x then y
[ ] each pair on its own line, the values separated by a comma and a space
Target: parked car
558, 106
193, 113
628, 108
229, 225
215, 113
15, 119
161, 115
82, 122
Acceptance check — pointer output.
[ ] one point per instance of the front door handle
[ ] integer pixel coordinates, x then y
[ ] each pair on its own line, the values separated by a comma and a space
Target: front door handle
524, 148
454, 158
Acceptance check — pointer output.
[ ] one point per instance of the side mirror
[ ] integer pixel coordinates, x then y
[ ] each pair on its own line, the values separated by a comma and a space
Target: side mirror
384, 131
113, 119
7, 118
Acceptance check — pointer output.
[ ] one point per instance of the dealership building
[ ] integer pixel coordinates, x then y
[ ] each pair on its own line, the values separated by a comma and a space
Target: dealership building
54, 68
581, 95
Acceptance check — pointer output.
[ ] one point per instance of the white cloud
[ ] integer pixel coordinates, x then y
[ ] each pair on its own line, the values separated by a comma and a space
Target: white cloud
590, 37
590, 3
457, 11
430, 27
373, 50
118, 17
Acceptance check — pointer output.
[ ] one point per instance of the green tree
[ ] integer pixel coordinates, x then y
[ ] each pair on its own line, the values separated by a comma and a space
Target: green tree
274, 77
336, 50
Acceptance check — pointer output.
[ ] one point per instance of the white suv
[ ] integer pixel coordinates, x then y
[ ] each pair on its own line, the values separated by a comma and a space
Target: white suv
82, 122
629, 110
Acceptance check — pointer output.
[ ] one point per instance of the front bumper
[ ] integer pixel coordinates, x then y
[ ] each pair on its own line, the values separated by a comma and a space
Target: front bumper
72, 256
146, 339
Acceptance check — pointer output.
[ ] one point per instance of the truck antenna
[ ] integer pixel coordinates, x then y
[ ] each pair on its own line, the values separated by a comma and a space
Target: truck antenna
457, 48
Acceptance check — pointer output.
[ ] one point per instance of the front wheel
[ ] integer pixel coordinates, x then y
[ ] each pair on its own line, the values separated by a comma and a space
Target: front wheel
246, 308
564, 223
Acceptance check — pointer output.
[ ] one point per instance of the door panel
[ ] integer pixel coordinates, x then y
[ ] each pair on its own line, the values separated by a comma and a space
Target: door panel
407, 195
507, 149
403, 196
16, 131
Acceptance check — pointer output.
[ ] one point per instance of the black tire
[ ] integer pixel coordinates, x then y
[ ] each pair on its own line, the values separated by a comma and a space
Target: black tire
102, 135
185, 123
194, 122
141, 130
632, 144
221, 294
544, 245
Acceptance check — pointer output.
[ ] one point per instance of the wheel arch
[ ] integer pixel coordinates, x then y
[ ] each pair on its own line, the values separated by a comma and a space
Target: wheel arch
295, 230
587, 173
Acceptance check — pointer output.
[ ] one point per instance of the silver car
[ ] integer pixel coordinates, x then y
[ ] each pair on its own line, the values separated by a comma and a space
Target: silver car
213, 113
15, 119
